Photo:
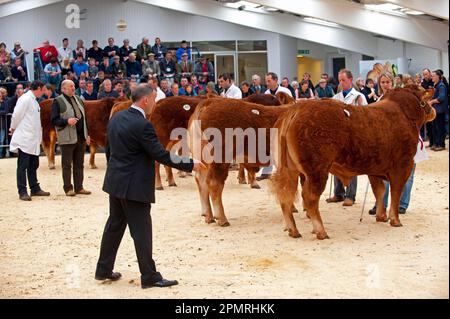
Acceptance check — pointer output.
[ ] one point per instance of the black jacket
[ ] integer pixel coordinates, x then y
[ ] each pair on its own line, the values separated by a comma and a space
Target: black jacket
132, 150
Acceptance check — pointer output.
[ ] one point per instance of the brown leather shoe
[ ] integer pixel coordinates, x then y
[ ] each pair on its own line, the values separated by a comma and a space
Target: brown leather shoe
70, 193
335, 199
348, 202
84, 192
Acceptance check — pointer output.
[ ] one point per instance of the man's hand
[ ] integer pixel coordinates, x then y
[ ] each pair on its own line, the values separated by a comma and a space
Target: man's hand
11, 131
88, 141
72, 121
198, 166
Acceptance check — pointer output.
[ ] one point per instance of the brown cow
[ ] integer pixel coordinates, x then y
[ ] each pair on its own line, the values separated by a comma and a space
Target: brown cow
97, 115
174, 112
222, 114
318, 137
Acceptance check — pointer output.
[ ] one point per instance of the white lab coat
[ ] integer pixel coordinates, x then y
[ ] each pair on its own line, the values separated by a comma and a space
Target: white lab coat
233, 92
281, 89
26, 123
159, 95
351, 98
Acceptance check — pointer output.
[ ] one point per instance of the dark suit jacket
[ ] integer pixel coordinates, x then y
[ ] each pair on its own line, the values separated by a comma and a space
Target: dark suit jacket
132, 150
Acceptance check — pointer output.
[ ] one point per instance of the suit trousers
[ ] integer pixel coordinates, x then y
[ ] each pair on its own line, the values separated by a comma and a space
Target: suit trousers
349, 192
27, 166
73, 153
137, 216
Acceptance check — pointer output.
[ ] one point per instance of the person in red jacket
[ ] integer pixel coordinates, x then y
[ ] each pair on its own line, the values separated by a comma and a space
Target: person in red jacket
47, 52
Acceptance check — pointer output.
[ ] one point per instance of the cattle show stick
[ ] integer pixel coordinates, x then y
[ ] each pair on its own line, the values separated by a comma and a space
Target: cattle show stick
364, 202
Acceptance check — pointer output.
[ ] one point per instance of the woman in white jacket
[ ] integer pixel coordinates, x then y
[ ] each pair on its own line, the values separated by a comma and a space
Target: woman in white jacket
26, 140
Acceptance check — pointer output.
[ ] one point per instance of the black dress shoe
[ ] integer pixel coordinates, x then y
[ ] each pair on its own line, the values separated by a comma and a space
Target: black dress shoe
113, 276
373, 211
161, 284
402, 210
40, 193
262, 177
25, 197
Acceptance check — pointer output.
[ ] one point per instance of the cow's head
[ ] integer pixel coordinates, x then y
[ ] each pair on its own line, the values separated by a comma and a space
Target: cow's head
413, 101
285, 98
424, 96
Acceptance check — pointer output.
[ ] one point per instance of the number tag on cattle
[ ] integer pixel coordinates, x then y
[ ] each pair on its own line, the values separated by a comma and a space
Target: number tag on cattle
347, 113
186, 107
255, 112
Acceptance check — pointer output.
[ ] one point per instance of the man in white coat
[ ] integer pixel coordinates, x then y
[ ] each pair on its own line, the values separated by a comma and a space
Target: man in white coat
26, 140
350, 96
230, 90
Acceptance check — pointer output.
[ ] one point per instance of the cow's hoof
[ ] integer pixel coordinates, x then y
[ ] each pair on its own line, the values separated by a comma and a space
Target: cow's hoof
322, 236
255, 186
382, 219
307, 215
243, 182
224, 224
173, 185
52, 167
93, 166
396, 223
294, 233
294, 209
159, 188
209, 220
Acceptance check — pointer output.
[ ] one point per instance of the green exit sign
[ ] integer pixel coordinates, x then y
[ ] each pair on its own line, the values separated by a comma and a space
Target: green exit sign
302, 52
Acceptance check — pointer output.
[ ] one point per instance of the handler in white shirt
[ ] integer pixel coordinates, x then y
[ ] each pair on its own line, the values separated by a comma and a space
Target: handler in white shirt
272, 88
350, 96
230, 90
26, 140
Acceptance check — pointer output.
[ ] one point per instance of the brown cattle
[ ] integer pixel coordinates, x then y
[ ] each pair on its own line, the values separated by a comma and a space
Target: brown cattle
174, 112
222, 114
97, 115
318, 137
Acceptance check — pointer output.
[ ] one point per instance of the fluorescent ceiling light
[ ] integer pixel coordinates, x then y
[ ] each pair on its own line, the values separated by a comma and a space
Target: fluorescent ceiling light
247, 6
413, 12
270, 9
321, 22
386, 8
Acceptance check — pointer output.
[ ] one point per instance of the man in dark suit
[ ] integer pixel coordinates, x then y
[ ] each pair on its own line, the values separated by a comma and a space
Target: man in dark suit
132, 150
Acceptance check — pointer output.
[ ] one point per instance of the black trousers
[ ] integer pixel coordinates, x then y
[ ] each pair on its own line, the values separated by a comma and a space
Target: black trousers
430, 133
137, 216
73, 153
439, 130
27, 166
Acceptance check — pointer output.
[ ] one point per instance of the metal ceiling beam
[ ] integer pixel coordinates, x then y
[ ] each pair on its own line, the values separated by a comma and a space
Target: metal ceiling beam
428, 33
343, 38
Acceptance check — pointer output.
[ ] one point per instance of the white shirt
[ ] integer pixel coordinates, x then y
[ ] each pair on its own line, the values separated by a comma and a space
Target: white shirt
62, 54
351, 98
233, 92
280, 89
159, 94
26, 123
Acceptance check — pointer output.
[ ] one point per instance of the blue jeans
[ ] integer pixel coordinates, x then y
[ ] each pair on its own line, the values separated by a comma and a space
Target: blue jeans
55, 80
350, 192
406, 195
2, 134
267, 170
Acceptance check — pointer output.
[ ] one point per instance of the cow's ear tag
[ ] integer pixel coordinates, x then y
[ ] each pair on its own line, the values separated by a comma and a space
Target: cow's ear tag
255, 112
186, 107
347, 113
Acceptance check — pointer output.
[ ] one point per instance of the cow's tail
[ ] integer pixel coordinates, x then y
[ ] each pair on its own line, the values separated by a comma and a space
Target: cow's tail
283, 184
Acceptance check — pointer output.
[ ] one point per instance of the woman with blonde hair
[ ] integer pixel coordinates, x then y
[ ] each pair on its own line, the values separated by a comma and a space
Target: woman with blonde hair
385, 83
